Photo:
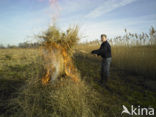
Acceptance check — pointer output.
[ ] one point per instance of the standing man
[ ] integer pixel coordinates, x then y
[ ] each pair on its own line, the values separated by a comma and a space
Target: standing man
105, 52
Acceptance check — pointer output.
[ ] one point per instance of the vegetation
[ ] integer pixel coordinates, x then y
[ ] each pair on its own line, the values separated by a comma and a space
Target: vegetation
132, 53
132, 82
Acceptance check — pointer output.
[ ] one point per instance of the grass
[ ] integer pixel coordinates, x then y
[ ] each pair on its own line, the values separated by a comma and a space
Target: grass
137, 60
23, 95
132, 80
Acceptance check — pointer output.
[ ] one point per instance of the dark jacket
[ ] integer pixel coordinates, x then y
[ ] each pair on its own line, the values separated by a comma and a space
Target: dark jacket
104, 51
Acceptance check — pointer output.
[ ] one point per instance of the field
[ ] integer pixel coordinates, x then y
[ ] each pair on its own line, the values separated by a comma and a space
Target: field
131, 82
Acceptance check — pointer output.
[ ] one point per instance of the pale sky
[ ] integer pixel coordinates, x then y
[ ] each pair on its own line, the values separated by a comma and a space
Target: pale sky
21, 19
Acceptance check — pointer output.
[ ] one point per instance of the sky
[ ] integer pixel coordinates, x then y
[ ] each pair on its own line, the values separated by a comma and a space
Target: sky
20, 20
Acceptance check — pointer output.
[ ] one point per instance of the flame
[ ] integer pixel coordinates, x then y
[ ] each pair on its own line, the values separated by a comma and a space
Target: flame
56, 58
46, 78
57, 62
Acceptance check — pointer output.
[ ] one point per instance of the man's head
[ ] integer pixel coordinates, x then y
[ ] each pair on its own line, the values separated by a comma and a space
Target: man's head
103, 37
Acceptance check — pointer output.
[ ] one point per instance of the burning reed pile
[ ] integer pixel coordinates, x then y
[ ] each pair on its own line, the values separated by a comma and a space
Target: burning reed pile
57, 49
60, 92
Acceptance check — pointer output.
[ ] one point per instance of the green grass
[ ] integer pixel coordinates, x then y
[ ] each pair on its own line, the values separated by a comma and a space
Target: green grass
23, 95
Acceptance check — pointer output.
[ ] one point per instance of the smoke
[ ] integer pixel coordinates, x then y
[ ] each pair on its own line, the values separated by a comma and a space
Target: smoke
57, 48
56, 9
53, 63
57, 63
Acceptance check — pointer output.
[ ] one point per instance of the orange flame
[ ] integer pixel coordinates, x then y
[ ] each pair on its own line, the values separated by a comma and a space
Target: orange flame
57, 62
46, 78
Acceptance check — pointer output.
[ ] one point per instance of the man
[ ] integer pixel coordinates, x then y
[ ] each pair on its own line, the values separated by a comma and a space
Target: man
105, 52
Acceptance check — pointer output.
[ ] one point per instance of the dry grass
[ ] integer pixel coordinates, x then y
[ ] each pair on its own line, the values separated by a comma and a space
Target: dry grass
62, 99
57, 49
138, 60
23, 95
66, 39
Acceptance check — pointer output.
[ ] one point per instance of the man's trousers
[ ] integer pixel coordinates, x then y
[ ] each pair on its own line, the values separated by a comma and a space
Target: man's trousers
105, 67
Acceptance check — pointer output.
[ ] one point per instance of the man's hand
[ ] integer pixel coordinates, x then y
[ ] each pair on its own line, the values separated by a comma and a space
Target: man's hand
93, 52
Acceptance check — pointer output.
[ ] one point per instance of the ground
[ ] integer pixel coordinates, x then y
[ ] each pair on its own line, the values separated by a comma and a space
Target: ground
123, 88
